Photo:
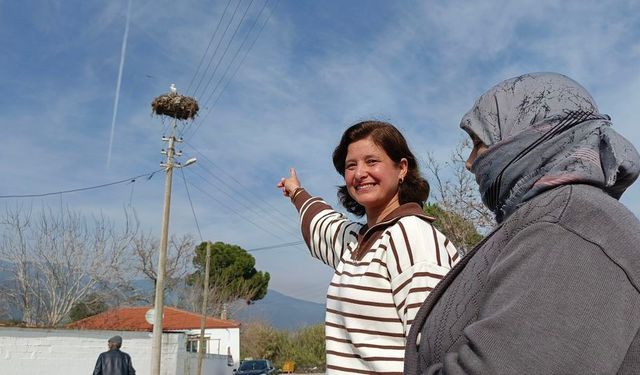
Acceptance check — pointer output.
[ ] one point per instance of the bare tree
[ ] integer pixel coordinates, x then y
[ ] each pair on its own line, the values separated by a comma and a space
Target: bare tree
177, 264
189, 296
5, 315
459, 210
55, 259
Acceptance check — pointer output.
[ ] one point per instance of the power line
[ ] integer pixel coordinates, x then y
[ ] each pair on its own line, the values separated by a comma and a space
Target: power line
278, 246
256, 203
210, 109
213, 36
130, 195
248, 197
235, 56
247, 207
275, 221
236, 212
246, 36
216, 49
195, 218
130, 179
226, 49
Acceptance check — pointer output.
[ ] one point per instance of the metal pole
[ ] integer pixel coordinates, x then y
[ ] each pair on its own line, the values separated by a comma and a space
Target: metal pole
205, 298
156, 347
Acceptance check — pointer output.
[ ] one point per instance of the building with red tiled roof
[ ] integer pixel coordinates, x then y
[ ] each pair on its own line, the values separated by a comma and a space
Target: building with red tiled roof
133, 319
222, 337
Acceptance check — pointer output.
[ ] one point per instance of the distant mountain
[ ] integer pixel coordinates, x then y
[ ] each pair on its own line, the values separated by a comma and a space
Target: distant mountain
277, 309
282, 311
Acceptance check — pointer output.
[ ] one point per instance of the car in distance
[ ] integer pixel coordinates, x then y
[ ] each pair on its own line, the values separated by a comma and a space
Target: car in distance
255, 367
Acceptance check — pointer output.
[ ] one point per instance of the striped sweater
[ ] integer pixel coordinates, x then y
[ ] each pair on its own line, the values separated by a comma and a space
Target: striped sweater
382, 276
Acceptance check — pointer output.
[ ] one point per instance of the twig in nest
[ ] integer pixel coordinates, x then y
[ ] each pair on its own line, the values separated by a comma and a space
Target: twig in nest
174, 105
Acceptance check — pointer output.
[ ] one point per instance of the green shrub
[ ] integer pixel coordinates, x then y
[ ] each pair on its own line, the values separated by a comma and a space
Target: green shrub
304, 346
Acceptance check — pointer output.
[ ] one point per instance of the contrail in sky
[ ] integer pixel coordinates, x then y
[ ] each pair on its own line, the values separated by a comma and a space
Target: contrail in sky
115, 103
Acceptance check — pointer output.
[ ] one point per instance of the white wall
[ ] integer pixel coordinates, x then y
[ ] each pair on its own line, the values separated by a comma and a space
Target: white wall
220, 339
36, 351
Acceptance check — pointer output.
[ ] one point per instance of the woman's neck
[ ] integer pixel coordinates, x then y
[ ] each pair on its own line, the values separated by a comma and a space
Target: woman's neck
374, 216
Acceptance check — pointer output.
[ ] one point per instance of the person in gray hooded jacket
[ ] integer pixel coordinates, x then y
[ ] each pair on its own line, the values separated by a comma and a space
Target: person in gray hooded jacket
555, 288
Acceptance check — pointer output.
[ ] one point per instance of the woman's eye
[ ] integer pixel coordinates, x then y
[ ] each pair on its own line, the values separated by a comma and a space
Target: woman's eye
372, 161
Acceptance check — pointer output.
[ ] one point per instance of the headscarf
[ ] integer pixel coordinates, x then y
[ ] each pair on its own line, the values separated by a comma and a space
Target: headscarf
544, 130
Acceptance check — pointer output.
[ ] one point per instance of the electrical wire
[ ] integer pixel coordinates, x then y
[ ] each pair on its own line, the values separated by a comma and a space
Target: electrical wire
233, 59
271, 247
236, 212
247, 207
226, 49
256, 203
130, 179
195, 218
213, 36
195, 91
274, 222
131, 195
210, 109
278, 246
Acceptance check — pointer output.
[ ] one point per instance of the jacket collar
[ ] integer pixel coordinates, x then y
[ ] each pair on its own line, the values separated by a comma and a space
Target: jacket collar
367, 236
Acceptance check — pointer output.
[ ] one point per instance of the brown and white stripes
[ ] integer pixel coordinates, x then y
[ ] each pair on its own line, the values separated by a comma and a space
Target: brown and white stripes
382, 276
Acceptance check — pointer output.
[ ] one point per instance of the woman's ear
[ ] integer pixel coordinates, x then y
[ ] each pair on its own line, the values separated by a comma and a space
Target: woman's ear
404, 167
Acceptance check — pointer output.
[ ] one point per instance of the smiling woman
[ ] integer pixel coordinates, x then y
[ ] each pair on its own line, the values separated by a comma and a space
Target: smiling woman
385, 268
372, 179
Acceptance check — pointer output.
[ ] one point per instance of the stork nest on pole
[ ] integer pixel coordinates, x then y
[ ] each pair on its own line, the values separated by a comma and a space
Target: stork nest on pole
175, 105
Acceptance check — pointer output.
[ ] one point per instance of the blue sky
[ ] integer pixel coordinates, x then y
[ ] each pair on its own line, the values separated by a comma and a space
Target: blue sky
315, 68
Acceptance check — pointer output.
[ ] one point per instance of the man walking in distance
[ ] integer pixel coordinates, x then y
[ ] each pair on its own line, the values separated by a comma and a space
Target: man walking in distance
114, 361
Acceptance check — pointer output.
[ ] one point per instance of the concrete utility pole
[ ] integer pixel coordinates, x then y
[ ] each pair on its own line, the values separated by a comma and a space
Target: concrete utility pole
205, 298
179, 107
159, 298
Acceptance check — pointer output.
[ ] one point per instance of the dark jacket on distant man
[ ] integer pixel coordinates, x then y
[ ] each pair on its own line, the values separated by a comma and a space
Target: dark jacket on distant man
114, 362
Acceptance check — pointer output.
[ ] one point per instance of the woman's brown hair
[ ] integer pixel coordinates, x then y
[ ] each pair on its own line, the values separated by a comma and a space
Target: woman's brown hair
414, 188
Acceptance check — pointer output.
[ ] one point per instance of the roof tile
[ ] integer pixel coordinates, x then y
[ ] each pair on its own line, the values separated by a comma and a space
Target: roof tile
133, 319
